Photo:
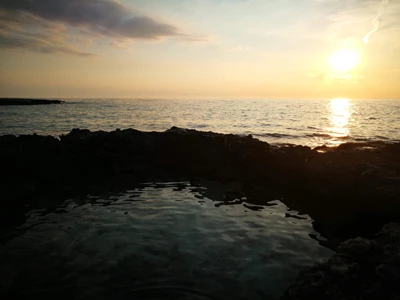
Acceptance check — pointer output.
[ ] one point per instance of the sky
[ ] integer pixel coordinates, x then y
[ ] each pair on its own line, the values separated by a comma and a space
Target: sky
236, 49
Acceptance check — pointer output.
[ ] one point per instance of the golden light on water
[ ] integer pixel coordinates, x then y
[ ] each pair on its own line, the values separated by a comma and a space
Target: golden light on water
344, 60
339, 118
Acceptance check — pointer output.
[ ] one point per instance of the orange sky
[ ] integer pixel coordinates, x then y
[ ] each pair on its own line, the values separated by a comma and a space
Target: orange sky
198, 49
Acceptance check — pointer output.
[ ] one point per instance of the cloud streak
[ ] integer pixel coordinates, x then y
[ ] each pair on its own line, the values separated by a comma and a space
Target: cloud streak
376, 21
29, 24
36, 42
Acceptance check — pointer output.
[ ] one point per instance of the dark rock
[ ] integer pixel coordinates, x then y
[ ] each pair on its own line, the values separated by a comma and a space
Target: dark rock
361, 269
20, 101
348, 191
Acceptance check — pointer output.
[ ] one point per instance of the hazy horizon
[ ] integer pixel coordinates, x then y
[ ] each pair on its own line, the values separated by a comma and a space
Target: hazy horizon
249, 49
202, 98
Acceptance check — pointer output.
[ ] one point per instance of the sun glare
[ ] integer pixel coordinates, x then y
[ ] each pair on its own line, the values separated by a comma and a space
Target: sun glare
340, 113
343, 60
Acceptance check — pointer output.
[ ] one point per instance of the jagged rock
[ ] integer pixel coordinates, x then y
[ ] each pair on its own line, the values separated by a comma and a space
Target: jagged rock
349, 190
361, 269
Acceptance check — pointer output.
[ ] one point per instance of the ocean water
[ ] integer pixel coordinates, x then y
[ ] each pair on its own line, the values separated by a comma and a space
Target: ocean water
307, 122
159, 241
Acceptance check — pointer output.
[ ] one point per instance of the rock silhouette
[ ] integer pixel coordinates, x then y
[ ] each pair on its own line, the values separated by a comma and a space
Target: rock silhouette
361, 269
349, 190
20, 101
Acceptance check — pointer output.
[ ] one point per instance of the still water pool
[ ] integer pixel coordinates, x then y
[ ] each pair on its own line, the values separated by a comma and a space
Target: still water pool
159, 241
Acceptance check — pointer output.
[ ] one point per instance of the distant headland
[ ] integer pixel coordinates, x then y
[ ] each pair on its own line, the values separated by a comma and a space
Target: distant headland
25, 101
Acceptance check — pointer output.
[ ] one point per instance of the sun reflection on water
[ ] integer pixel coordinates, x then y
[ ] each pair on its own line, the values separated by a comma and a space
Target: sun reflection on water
340, 112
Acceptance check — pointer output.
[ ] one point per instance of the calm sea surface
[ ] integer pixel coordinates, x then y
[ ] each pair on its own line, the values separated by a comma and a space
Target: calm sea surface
159, 241
176, 240
306, 122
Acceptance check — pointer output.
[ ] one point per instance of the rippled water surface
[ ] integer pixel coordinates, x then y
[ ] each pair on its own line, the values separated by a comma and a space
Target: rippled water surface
159, 241
307, 122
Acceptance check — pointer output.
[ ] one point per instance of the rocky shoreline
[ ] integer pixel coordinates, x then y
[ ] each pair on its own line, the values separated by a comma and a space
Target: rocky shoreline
361, 269
349, 191
23, 101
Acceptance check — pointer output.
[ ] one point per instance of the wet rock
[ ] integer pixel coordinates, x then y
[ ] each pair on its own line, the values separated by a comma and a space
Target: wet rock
348, 191
361, 269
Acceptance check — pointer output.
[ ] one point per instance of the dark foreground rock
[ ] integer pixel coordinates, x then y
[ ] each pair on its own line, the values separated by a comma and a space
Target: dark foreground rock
20, 101
350, 190
361, 269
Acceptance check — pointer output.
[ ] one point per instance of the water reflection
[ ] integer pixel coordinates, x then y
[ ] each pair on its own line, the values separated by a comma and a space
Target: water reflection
161, 240
340, 112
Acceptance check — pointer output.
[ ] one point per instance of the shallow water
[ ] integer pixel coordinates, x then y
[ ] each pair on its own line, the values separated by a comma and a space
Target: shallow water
159, 241
305, 122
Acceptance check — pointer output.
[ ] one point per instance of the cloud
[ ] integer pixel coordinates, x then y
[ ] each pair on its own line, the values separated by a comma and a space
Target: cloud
29, 24
362, 18
36, 42
107, 17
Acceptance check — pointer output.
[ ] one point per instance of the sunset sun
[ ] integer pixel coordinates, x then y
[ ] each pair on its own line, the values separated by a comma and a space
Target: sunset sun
344, 60
200, 149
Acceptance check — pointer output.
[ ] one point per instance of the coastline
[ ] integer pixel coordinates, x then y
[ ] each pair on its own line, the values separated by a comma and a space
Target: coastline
27, 101
353, 185
301, 122
361, 269
349, 191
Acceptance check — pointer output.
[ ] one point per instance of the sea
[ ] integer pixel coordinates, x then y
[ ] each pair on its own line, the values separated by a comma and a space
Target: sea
306, 122
176, 240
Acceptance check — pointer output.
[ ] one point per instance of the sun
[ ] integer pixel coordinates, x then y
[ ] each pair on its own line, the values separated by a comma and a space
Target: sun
344, 60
